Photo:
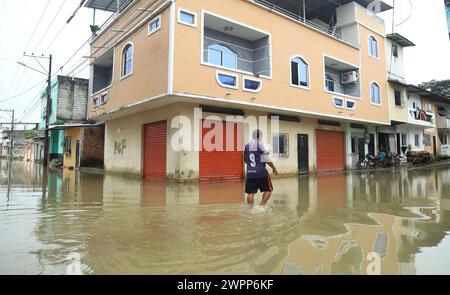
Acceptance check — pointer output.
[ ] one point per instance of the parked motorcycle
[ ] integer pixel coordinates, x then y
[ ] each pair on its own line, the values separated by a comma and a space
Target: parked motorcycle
369, 162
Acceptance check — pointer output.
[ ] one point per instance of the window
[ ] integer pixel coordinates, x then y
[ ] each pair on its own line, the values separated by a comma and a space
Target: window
443, 138
127, 60
223, 56
154, 25
227, 80
187, 18
354, 145
398, 98
252, 85
350, 104
280, 145
329, 83
338, 102
68, 145
429, 109
299, 72
416, 140
96, 101
373, 47
375, 97
104, 98
404, 139
395, 50
427, 139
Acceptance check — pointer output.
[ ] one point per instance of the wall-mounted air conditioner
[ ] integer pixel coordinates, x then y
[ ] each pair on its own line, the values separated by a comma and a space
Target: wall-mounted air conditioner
349, 77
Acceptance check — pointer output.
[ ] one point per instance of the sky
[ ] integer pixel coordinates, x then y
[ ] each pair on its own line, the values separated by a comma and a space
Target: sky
424, 23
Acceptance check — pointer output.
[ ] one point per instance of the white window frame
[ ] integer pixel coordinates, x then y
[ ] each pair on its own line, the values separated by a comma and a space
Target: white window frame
122, 76
337, 106
101, 98
181, 10
286, 145
308, 73
354, 104
379, 94
96, 97
149, 32
222, 54
251, 79
370, 46
417, 143
227, 74
428, 111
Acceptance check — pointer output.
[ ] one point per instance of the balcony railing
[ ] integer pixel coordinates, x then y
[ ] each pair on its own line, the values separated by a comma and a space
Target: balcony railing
328, 30
420, 115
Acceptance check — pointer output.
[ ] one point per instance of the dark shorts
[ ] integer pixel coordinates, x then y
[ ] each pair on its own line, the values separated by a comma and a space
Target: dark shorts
264, 184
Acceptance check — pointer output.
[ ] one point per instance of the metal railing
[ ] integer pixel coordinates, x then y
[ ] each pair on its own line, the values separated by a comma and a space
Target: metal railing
328, 30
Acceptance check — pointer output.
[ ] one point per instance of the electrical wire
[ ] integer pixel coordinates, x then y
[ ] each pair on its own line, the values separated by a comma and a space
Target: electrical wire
22, 93
409, 15
49, 26
39, 22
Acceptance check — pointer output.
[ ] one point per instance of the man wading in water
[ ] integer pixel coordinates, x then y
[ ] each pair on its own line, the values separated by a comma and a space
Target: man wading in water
256, 156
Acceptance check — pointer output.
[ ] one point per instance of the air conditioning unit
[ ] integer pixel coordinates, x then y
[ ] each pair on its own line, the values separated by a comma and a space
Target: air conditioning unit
349, 77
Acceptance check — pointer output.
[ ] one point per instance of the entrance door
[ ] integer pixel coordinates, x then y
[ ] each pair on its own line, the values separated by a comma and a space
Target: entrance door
77, 153
303, 159
361, 149
434, 146
155, 150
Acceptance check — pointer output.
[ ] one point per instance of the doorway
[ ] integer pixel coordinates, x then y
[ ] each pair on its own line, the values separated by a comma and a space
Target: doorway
303, 158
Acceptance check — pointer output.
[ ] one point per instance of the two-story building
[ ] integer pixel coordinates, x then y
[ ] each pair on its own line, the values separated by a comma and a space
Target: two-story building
321, 69
73, 139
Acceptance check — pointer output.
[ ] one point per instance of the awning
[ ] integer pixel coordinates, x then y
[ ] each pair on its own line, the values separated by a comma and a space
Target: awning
68, 126
426, 93
107, 5
400, 40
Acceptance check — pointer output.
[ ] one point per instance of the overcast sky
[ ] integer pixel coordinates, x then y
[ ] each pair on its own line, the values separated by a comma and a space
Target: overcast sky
426, 27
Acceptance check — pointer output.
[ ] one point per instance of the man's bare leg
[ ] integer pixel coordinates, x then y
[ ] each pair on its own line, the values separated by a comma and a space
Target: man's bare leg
250, 199
265, 198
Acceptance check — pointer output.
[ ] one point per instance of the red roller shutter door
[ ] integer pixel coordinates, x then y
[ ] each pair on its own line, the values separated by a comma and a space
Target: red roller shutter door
155, 150
222, 165
330, 147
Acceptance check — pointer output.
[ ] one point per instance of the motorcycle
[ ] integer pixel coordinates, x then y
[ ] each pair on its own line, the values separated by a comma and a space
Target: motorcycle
369, 162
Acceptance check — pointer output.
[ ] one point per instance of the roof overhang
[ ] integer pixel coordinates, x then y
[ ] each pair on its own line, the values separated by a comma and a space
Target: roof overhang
107, 5
400, 40
68, 126
396, 81
321, 9
425, 93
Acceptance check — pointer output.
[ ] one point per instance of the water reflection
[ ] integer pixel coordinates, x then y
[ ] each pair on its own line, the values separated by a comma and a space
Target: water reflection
325, 224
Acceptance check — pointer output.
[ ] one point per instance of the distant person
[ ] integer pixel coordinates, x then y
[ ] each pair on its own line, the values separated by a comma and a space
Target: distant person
382, 153
256, 156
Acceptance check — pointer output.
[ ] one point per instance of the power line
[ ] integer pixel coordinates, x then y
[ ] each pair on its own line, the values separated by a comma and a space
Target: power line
49, 26
39, 22
17, 95
409, 15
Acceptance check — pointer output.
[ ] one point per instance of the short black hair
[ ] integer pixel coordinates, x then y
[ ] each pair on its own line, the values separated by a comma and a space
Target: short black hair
257, 134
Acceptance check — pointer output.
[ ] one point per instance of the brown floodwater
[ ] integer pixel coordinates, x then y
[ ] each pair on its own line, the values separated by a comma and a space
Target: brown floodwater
326, 224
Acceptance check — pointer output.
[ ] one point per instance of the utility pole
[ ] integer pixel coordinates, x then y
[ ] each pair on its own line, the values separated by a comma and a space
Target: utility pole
49, 99
11, 143
47, 113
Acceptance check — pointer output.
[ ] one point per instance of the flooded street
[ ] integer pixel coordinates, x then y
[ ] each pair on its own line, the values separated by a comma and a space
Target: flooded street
327, 224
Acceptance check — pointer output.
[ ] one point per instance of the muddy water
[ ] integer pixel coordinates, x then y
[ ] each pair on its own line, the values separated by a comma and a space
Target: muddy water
328, 224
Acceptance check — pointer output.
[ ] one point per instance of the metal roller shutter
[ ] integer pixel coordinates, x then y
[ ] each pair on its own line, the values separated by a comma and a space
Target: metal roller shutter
155, 150
330, 147
222, 165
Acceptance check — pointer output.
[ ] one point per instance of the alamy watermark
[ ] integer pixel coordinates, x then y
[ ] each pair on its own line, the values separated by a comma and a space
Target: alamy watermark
213, 133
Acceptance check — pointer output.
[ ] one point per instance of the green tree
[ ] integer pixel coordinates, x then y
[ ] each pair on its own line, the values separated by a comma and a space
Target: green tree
441, 88
30, 134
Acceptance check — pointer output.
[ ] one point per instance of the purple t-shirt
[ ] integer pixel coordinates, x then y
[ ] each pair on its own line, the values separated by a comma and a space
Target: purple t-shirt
253, 152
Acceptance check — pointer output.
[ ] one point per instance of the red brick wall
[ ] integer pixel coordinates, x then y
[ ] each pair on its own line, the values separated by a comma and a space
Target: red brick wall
93, 146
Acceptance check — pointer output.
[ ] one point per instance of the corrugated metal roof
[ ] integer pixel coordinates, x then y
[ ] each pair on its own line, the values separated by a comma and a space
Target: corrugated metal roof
107, 5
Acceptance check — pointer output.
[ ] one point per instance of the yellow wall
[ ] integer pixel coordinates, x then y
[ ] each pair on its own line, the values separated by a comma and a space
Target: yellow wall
150, 60
75, 134
288, 39
399, 114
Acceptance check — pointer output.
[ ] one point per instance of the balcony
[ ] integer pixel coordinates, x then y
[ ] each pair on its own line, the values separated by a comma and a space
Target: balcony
418, 116
102, 71
322, 15
231, 46
342, 78
443, 117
